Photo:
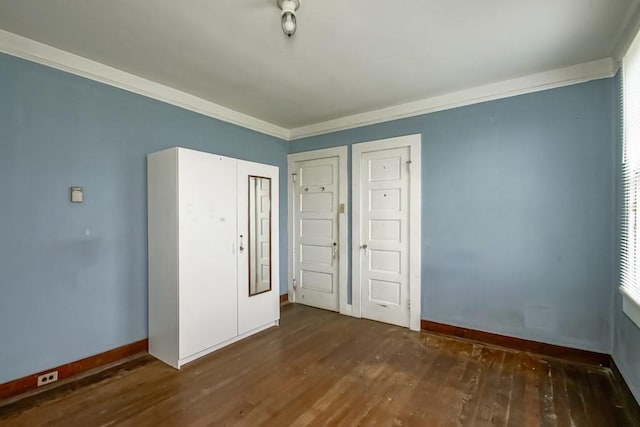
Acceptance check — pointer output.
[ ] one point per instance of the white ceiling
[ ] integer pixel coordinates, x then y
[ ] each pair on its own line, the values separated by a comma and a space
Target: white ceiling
347, 57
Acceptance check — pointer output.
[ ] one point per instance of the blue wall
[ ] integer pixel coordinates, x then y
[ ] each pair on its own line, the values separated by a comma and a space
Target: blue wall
73, 279
626, 337
518, 212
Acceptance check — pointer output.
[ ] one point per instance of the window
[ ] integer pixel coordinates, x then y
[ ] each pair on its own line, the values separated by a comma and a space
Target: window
630, 256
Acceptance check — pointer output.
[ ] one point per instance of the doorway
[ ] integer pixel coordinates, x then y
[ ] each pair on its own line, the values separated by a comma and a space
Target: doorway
318, 229
386, 188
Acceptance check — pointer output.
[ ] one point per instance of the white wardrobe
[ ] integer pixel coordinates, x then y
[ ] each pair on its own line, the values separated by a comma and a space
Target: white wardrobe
202, 228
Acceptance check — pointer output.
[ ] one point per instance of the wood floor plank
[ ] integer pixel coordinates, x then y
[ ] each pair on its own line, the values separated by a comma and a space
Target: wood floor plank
549, 398
561, 399
502, 404
534, 368
322, 369
574, 382
489, 388
516, 416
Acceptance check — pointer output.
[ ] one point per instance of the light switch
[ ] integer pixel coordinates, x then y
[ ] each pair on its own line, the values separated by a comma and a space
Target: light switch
76, 194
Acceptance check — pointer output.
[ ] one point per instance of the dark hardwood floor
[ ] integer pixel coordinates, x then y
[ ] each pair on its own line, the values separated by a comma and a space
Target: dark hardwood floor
320, 368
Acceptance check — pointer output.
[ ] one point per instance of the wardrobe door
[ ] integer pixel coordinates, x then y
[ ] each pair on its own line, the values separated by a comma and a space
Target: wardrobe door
258, 273
207, 251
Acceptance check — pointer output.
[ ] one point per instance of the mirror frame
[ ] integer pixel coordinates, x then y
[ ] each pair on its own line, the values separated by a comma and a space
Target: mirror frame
249, 237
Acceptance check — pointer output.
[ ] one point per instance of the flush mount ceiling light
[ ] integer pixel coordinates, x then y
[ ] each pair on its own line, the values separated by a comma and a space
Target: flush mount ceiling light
289, 8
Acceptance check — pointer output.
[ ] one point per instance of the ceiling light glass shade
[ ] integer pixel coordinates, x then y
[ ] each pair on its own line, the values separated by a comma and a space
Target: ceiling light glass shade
289, 23
288, 8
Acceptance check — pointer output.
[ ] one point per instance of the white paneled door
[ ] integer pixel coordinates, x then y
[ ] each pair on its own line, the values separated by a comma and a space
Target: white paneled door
383, 231
260, 205
315, 226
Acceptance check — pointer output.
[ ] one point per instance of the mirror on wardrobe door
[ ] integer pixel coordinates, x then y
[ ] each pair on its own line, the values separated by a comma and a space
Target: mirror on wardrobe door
259, 235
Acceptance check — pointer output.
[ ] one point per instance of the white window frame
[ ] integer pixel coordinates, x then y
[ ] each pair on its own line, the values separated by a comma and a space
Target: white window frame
630, 224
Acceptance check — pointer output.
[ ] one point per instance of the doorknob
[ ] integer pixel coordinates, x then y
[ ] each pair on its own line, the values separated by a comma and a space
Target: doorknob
335, 249
364, 246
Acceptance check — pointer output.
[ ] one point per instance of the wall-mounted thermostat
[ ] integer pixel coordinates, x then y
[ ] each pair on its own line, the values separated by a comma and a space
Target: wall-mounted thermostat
76, 194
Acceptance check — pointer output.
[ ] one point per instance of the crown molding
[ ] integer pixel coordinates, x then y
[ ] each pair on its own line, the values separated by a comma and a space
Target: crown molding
41, 53
580, 73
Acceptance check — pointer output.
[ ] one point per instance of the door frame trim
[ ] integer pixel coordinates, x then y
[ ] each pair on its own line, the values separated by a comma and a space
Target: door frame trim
343, 224
414, 142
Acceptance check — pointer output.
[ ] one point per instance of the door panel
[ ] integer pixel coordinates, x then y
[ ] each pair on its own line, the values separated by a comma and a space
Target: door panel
384, 261
317, 228
316, 202
315, 207
316, 255
384, 222
258, 221
384, 230
384, 292
207, 269
317, 281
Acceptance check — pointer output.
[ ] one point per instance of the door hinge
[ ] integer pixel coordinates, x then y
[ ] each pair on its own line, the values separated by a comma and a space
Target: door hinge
409, 304
294, 176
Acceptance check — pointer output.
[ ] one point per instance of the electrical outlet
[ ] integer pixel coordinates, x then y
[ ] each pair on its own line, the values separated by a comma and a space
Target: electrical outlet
48, 378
